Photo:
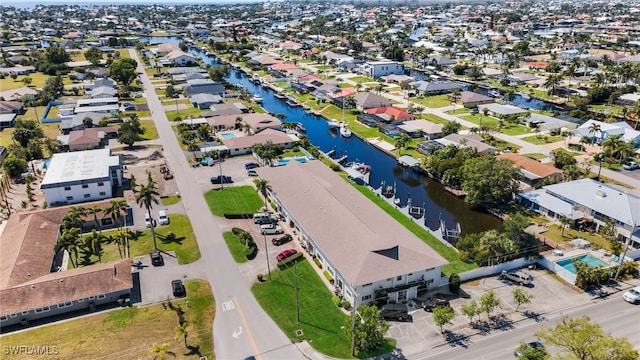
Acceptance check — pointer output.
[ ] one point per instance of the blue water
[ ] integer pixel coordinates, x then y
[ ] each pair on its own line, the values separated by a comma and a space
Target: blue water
586, 258
285, 161
228, 135
422, 190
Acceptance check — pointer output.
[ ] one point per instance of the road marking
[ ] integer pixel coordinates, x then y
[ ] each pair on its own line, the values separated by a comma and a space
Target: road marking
237, 333
228, 305
246, 326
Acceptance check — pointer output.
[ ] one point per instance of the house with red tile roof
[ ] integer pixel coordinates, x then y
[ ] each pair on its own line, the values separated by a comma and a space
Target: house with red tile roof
390, 113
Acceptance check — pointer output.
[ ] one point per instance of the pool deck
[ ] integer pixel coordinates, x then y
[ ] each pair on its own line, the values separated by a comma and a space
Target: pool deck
556, 255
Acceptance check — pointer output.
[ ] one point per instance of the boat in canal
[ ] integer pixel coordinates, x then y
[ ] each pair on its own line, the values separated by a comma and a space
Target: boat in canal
524, 95
300, 127
344, 131
333, 124
257, 99
292, 102
279, 95
495, 93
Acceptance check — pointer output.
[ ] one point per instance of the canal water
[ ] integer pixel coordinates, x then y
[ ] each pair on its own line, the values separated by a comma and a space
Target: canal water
422, 190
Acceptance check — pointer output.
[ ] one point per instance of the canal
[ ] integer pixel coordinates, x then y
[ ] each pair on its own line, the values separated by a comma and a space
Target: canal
422, 190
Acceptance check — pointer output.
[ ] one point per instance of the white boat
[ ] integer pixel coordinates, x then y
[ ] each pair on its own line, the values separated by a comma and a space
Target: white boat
345, 132
333, 124
494, 93
524, 95
257, 99
280, 95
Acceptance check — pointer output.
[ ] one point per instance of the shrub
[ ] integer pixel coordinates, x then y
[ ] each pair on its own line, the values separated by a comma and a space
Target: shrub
345, 304
260, 277
290, 260
454, 283
335, 167
337, 301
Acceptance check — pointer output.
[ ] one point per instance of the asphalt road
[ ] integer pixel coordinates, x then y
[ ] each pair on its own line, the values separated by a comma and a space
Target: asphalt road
241, 328
613, 314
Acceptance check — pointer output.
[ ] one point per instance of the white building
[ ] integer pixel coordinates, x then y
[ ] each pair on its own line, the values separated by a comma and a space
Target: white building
370, 256
375, 69
81, 176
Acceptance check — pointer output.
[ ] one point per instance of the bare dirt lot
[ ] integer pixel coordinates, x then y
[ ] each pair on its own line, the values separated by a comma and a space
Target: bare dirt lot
143, 159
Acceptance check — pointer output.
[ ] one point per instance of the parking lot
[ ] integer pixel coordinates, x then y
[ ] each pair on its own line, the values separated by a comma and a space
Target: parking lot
233, 167
420, 333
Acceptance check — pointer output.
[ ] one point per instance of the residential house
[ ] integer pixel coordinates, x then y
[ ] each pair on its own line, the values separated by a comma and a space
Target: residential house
32, 284
376, 69
244, 144
502, 111
106, 105
589, 203
467, 141
81, 176
470, 99
258, 122
367, 100
626, 132
225, 109
628, 99
18, 70
203, 86
7, 120
429, 88
77, 122
102, 92
420, 128
390, 114
548, 123
89, 138
180, 58
370, 258
99, 83
204, 101
533, 171
12, 107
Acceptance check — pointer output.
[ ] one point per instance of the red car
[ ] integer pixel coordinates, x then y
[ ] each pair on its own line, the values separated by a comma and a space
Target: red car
285, 254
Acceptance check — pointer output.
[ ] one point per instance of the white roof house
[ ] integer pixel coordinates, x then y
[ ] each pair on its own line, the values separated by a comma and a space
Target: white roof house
81, 176
588, 199
621, 128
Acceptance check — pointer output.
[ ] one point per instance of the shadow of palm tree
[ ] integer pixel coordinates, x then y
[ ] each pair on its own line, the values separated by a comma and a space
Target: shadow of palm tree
193, 350
170, 238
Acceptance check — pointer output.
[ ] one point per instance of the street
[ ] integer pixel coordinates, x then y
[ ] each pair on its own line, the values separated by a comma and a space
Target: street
241, 328
613, 314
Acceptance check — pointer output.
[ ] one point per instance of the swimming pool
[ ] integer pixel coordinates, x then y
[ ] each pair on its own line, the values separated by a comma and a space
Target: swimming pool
586, 258
228, 135
285, 161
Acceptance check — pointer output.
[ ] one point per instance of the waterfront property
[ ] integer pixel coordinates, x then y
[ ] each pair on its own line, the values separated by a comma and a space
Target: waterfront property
588, 259
589, 204
533, 171
370, 256
81, 176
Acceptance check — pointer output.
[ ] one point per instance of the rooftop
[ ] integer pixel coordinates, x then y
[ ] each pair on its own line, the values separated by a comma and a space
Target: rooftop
79, 166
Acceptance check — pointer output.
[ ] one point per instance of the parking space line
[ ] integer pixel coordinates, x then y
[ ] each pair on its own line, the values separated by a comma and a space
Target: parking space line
246, 326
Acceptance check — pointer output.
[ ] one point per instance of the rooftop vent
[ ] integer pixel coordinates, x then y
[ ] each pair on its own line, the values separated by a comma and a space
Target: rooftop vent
601, 194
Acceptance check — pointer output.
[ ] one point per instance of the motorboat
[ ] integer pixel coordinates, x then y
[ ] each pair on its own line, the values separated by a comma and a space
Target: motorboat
494, 93
292, 102
257, 99
300, 127
333, 124
280, 95
524, 95
345, 132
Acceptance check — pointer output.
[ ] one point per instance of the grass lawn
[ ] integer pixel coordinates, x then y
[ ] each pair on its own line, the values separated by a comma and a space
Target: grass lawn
141, 243
170, 200
233, 199
555, 233
37, 81
435, 101
184, 113
507, 127
236, 247
320, 318
50, 130
455, 264
150, 131
537, 156
323, 67
124, 53
128, 333
361, 79
460, 111
542, 139
434, 118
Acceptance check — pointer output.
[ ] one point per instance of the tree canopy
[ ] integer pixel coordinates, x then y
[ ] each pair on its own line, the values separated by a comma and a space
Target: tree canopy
370, 328
123, 70
488, 180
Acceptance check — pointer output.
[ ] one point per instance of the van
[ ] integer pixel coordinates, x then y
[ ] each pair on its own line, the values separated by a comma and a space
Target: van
261, 218
394, 312
517, 277
163, 218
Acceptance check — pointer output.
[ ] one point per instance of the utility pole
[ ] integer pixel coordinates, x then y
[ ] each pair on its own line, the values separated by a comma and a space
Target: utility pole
626, 247
353, 324
295, 274
266, 253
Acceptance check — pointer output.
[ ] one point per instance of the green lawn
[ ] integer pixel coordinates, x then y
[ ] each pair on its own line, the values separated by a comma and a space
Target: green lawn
435, 101
233, 199
361, 79
128, 332
536, 156
170, 200
236, 247
51, 131
150, 131
37, 81
320, 318
434, 118
184, 113
507, 127
542, 139
141, 243
458, 111
555, 233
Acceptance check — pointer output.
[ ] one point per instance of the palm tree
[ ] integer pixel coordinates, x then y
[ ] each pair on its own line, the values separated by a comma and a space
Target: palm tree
612, 144
122, 240
71, 242
73, 219
160, 351
95, 210
116, 210
594, 128
552, 82
182, 332
146, 196
564, 220
263, 188
402, 142
94, 243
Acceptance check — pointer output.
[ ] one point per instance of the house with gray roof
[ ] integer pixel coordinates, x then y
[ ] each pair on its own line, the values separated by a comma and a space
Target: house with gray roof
588, 203
367, 100
77, 121
204, 101
203, 86
502, 111
436, 87
370, 257
548, 123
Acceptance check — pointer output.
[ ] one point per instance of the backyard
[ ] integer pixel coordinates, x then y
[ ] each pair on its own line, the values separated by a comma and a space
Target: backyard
233, 200
130, 332
435, 101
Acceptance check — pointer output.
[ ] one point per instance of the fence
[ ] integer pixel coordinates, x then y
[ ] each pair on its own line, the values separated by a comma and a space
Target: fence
563, 273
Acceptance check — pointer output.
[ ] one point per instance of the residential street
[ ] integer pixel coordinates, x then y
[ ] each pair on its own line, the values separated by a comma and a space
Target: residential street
241, 328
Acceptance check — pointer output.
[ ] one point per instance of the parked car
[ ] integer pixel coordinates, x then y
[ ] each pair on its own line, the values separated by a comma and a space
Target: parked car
219, 179
128, 106
633, 295
252, 173
517, 277
270, 229
285, 254
156, 258
430, 304
525, 349
262, 220
631, 165
251, 165
148, 221
163, 218
178, 288
394, 312
281, 240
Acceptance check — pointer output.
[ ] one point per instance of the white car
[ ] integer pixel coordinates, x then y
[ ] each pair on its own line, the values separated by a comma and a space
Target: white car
270, 229
147, 221
631, 166
163, 218
633, 295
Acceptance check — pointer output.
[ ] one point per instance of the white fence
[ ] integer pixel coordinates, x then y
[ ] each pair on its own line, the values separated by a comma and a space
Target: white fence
559, 270
489, 270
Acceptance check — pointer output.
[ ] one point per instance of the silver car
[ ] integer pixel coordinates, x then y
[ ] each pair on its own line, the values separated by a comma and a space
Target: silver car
270, 229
